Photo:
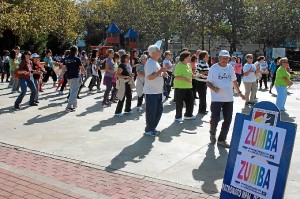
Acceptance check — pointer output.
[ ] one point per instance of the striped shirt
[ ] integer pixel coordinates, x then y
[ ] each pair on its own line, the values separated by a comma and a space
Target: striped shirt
202, 67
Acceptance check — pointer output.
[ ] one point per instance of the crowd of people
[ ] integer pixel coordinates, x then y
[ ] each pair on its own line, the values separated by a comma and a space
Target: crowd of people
152, 75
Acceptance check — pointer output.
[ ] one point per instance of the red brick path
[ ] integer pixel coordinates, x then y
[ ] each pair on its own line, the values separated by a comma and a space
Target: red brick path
13, 185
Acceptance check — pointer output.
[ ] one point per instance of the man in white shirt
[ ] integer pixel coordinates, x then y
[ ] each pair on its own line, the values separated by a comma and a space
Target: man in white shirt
221, 78
153, 90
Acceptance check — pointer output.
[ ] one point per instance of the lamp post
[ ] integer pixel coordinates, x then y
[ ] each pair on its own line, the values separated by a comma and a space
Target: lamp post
209, 36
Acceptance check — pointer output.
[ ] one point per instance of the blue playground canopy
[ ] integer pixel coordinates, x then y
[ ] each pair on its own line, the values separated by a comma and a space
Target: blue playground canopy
131, 34
113, 28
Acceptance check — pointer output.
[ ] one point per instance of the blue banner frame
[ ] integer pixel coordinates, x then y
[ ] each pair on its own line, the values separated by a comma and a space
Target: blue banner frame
283, 166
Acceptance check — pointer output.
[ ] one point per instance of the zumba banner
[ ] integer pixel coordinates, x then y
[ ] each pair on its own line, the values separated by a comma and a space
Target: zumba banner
260, 155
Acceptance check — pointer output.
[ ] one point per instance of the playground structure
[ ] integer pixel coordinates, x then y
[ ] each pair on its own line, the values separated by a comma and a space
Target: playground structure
113, 40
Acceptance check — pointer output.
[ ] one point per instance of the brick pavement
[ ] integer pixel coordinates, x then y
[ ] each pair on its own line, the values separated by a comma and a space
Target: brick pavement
53, 177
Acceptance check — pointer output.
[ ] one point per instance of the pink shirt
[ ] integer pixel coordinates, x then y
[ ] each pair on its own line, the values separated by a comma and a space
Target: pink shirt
193, 64
238, 68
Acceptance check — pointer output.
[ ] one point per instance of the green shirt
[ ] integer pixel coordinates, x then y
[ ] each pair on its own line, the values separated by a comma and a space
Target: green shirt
281, 72
183, 70
13, 65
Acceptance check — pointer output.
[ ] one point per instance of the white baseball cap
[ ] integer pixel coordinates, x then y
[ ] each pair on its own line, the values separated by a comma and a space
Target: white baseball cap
224, 53
34, 55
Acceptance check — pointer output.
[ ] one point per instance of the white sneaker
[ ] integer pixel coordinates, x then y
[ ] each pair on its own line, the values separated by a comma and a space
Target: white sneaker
128, 112
119, 115
190, 118
140, 109
179, 120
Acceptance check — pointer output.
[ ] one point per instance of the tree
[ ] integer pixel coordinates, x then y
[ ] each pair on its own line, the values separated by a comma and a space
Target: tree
37, 19
232, 22
202, 19
271, 22
152, 20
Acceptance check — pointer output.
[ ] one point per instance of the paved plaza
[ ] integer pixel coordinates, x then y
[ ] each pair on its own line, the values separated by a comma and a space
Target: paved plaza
46, 152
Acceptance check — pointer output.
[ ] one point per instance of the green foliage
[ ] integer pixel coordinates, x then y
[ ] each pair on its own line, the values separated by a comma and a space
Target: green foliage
32, 20
272, 21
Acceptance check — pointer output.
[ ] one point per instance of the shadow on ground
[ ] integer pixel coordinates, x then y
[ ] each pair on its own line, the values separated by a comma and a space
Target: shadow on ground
133, 153
114, 120
211, 169
11, 109
97, 107
286, 117
176, 128
47, 118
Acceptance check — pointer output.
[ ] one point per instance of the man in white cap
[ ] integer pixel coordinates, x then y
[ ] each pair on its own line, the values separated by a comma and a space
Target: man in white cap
221, 78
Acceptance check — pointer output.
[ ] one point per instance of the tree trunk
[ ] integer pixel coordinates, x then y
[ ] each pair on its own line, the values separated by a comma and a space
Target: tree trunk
202, 40
166, 44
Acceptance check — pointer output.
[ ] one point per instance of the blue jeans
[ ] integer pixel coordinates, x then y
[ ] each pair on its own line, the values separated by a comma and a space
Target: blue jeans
281, 96
23, 84
154, 109
74, 85
216, 108
238, 78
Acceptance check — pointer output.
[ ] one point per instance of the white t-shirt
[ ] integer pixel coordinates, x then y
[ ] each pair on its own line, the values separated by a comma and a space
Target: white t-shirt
94, 71
166, 61
251, 77
154, 86
232, 63
264, 67
222, 77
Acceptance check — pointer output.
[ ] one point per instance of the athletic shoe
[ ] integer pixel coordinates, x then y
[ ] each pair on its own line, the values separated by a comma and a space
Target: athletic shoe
118, 114
223, 144
70, 110
190, 118
139, 109
33, 104
17, 107
61, 92
128, 112
157, 132
151, 133
179, 120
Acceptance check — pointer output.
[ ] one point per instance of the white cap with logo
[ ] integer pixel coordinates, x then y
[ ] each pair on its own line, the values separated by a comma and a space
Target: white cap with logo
34, 55
224, 53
